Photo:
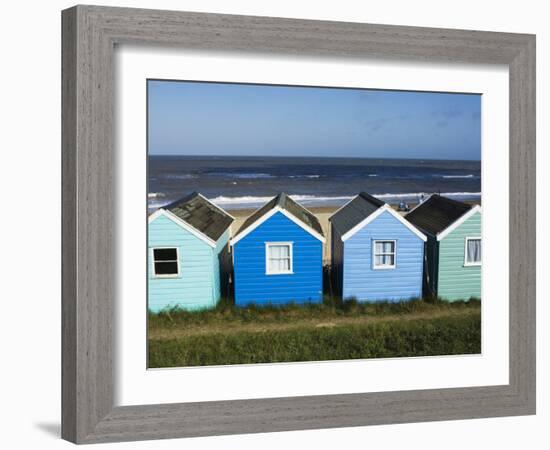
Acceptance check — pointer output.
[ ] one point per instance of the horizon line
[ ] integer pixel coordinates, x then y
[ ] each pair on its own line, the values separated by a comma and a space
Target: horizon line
315, 156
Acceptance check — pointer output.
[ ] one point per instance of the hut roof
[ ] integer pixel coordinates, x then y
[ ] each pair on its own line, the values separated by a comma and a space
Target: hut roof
437, 213
283, 201
355, 211
201, 214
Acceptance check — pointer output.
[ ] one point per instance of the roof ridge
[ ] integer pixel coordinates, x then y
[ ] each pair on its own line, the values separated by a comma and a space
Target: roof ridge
287, 204
299, 205
448, 200
211, 203
281, 199
370, 198
187, 198
437, 213
355, 211
179, 201
252, 217
201, 214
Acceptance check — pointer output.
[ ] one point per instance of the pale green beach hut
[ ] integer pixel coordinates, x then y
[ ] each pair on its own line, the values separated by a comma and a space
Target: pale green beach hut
452, 267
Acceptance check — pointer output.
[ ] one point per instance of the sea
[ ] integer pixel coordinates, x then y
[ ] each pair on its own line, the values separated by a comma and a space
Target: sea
248, 182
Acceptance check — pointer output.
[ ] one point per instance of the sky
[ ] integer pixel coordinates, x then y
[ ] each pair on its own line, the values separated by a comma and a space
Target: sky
194, 118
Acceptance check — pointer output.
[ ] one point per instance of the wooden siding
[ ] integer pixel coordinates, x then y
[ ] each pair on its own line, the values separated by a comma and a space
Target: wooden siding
431, 262
221, 267
252, 285
363, 282
193, 288
457, 281
337, 261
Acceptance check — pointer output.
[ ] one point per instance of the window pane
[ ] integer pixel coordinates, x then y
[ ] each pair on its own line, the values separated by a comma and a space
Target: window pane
165, 254
279, 265
387, 260
275, 251
279, 251
381, 247
473, 251
166, 268
384, 253
279, 258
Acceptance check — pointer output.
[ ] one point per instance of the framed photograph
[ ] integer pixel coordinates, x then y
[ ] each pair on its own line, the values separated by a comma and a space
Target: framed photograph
279, 224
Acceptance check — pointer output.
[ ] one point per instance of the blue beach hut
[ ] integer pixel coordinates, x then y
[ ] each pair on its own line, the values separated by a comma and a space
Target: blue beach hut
278, 255
376, 254
189, 261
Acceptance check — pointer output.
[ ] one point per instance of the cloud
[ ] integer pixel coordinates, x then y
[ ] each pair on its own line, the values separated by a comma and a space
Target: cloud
447, 113
381, 122
377, 124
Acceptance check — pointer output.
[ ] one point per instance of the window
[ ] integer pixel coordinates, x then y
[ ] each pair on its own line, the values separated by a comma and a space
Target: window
472, 251
278, 258
384, 254
165, 262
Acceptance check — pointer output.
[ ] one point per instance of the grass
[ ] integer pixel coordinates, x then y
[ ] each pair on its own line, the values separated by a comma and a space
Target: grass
329, 331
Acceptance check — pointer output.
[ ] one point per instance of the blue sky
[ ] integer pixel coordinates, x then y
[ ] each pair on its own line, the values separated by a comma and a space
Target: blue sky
190, 118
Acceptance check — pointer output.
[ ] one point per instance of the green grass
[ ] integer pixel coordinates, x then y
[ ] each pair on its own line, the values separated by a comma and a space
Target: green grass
331, 331
226, 312
420, 337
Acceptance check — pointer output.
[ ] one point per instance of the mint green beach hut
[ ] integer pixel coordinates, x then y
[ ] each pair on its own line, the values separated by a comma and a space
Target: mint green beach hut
452, 268
189, 261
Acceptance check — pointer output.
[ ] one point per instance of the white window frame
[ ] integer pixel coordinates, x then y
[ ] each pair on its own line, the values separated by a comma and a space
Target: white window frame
153, 271
385, 266
291, 253
472, 238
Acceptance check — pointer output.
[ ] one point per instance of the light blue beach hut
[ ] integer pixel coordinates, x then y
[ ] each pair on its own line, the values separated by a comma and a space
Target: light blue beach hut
278, 255
189, 261
376, 254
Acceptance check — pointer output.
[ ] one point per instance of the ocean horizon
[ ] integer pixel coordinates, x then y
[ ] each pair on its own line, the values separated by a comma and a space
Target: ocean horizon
242, 182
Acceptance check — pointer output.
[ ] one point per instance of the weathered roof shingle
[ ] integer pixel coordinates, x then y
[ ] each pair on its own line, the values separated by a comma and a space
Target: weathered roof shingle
354, 212
437, 213
201, 214
285, 202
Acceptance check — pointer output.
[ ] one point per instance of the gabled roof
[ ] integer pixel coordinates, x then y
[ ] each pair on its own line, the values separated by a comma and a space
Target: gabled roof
355, 211
360, 211
437, 213
294, 211
201, 214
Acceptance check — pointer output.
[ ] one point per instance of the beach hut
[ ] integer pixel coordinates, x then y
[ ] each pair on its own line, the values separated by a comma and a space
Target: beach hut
277, 255
376, 254
189, 259
453, 249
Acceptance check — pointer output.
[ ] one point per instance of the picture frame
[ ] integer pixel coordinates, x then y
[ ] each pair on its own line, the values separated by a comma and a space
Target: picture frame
89, 37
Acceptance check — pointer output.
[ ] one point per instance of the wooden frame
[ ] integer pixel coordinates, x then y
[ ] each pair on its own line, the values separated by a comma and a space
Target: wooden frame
290, 246
394, 253
153, 262
89, 36
466, 262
